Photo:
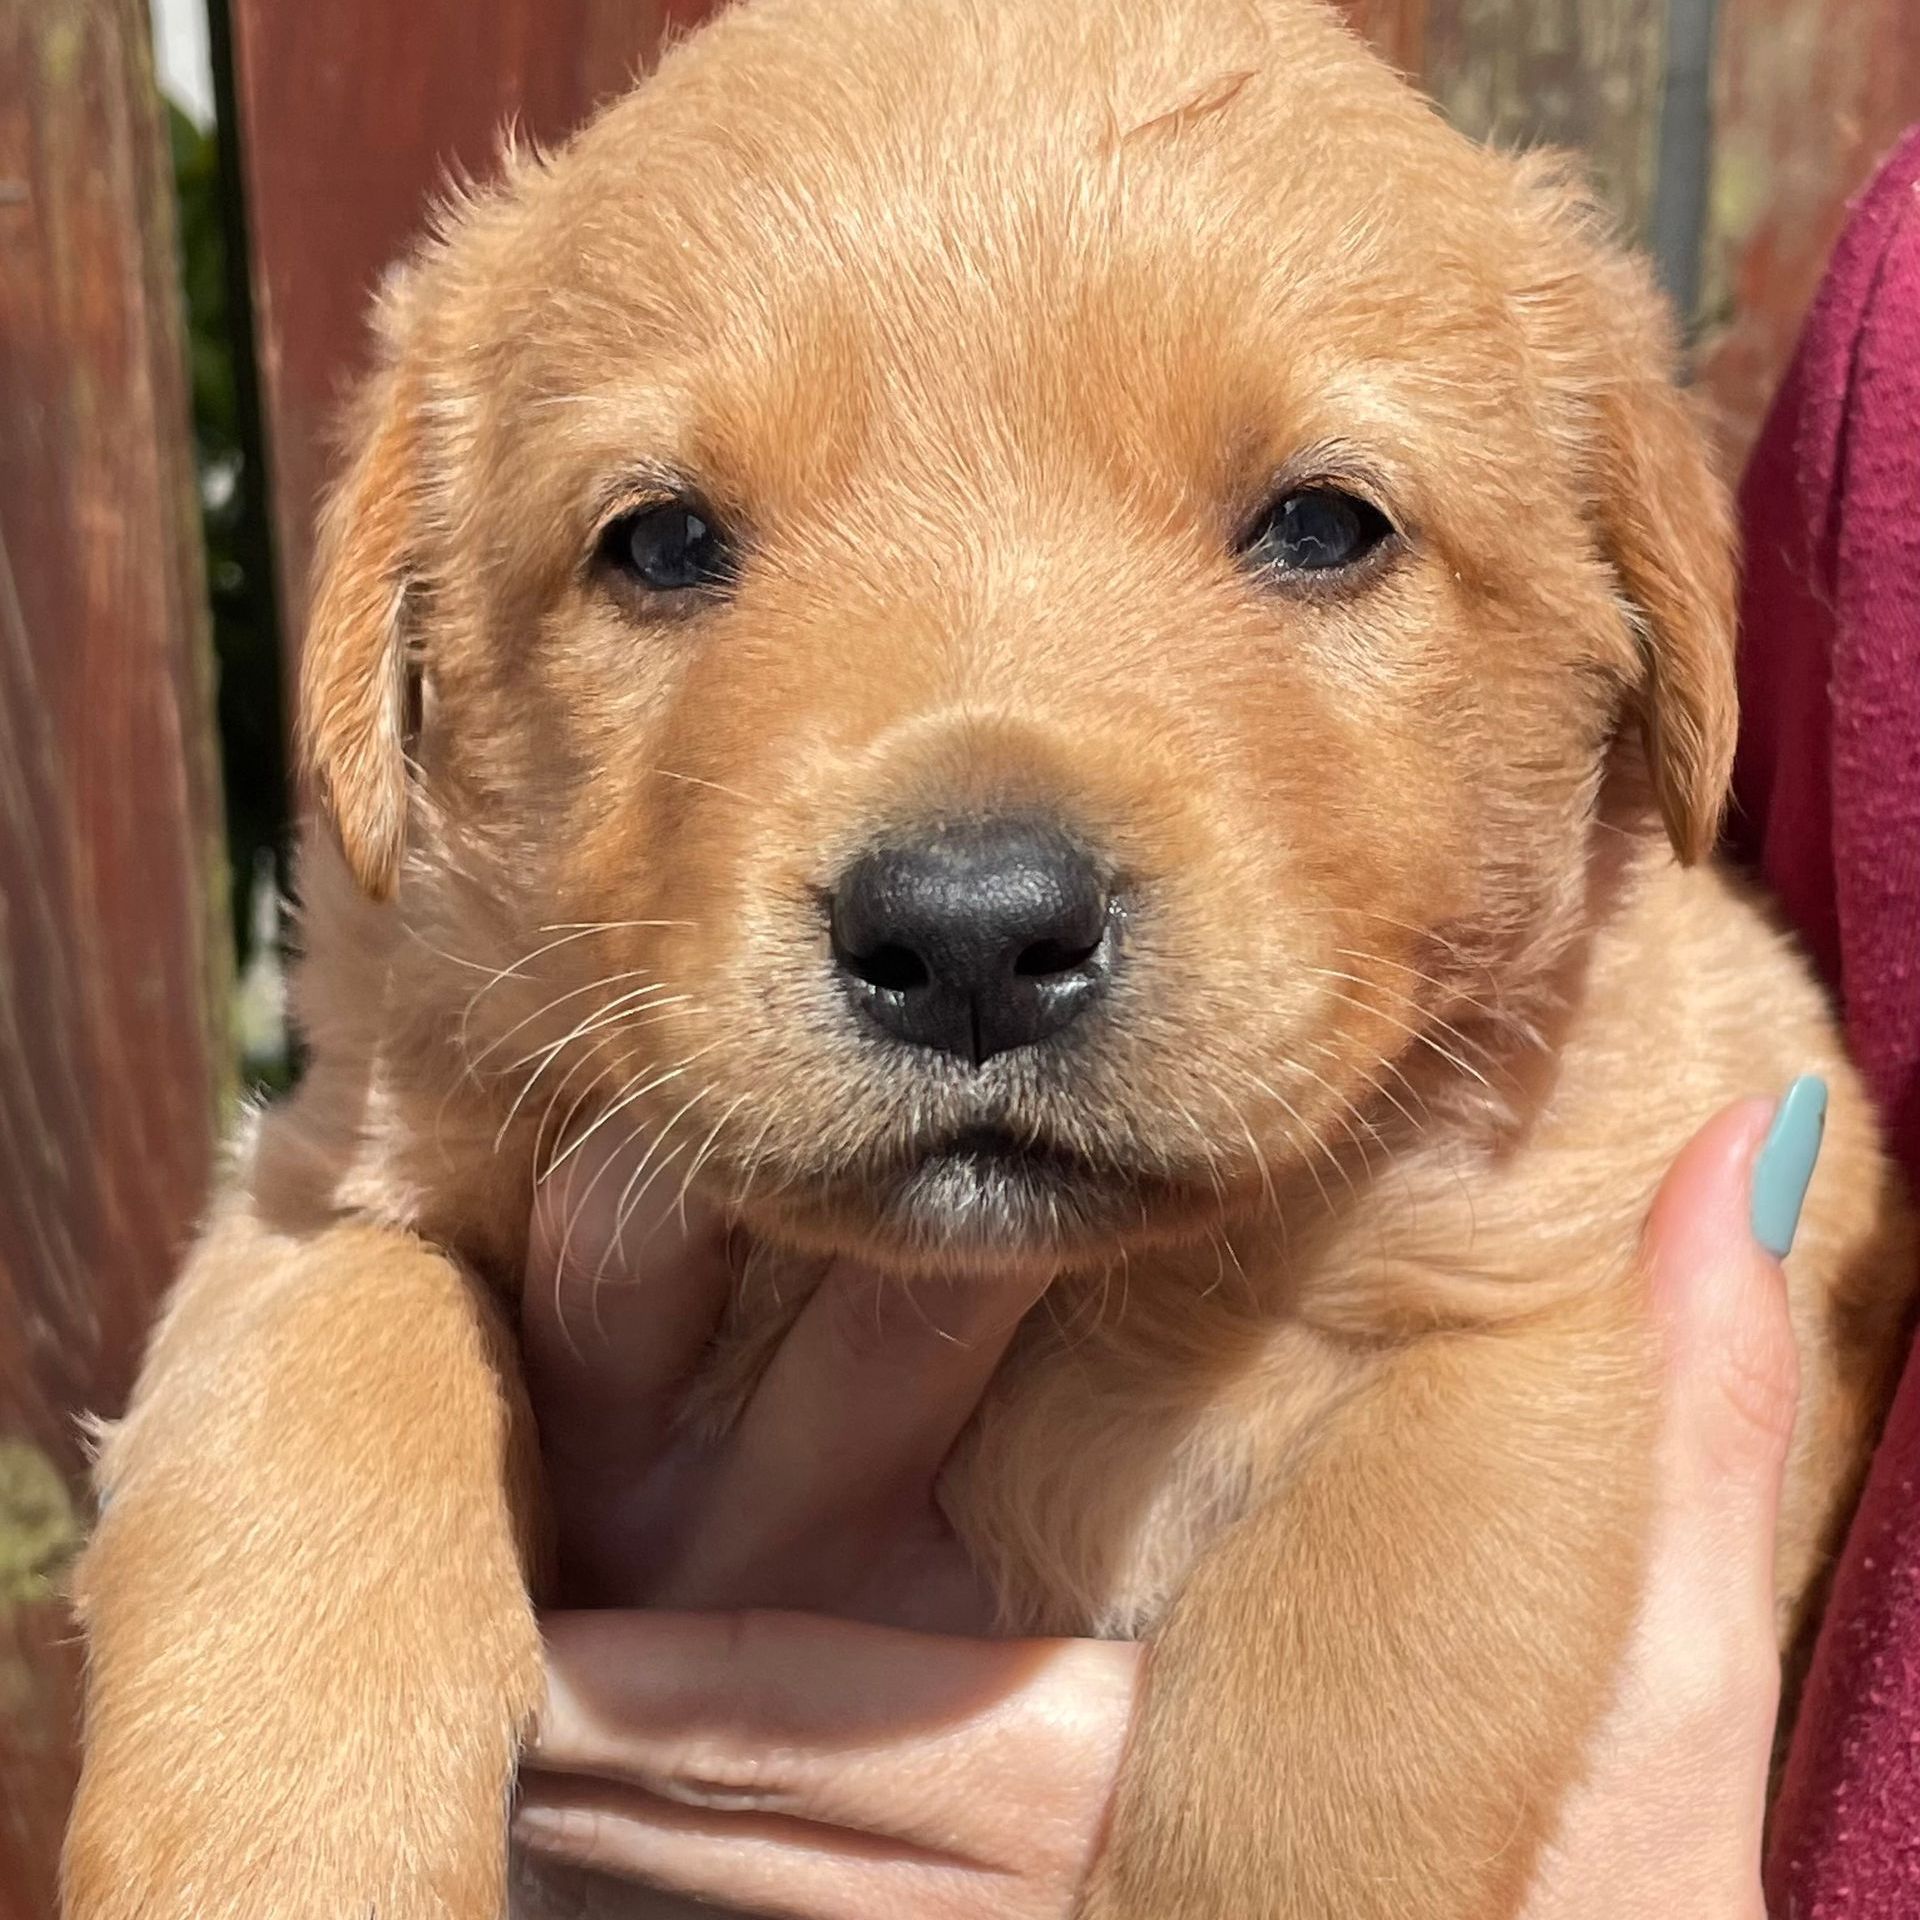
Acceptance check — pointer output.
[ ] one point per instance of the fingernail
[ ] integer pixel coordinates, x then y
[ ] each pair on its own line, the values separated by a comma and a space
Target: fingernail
1785, 1162
537, 1826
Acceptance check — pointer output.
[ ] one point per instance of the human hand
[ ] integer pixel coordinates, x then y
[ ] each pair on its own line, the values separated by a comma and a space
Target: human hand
1669, 1818
821, 1495
835, 1771
783, 1761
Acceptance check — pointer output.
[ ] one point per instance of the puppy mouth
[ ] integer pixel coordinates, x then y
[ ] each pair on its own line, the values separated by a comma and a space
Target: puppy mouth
984, 1190
993, 1160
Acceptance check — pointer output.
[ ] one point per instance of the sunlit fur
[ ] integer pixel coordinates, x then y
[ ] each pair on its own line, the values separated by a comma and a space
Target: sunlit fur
990, 326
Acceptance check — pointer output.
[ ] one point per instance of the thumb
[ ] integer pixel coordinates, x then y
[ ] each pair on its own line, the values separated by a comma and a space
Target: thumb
1724, 1218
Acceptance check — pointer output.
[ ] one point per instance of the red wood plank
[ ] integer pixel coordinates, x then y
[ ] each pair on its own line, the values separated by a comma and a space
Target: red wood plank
112, 924
1397, 27
352, 112
1808, 94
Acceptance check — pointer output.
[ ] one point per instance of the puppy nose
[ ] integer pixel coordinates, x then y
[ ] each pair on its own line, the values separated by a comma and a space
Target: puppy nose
974, 939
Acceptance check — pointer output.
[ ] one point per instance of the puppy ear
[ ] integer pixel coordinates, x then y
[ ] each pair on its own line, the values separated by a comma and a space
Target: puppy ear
1667, 522
353, 666
1664, 516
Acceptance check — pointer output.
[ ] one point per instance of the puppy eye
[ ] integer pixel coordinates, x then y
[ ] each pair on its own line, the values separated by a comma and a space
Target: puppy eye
1317, 530
670, 547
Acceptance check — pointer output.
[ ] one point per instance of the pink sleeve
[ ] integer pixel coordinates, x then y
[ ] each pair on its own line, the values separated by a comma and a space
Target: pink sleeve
1828, 807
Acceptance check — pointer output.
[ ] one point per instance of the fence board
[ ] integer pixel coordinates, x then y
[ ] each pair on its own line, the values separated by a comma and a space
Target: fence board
112, 917
1568, 73
352, 112
1398, 28
1808, 94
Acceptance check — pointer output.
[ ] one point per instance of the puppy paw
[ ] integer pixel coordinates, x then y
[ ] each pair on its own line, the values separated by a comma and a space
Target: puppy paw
131, 1858
334, 1778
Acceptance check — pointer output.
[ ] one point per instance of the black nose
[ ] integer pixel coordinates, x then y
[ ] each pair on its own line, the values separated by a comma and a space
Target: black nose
974, 939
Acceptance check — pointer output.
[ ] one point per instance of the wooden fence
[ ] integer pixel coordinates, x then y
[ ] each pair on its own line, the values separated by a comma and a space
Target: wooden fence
1728, 134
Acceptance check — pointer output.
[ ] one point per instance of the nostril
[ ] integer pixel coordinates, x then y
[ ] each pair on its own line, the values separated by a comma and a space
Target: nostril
1046, 958
893, 968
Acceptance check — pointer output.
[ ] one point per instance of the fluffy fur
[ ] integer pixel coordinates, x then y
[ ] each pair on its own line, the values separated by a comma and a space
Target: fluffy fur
989, 325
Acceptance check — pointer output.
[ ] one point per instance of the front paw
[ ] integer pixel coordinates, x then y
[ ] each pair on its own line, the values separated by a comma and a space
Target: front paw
290, 1848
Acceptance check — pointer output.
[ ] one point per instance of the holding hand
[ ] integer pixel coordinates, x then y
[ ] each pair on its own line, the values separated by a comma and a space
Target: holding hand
893, 1760
789, 1762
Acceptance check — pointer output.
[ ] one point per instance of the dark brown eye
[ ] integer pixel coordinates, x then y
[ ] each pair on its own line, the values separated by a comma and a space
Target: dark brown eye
671, 547
1316, 530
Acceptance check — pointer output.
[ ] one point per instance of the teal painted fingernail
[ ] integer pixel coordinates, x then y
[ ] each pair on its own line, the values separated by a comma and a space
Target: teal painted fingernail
1785, 1163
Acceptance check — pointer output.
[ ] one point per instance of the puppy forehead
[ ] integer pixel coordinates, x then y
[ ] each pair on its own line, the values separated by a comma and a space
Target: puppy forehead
1162, 237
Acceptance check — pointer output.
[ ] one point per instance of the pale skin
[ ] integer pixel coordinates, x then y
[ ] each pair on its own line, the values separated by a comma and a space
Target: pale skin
788, 1703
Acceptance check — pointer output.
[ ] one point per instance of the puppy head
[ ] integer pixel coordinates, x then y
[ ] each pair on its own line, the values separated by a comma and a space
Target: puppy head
1013, 611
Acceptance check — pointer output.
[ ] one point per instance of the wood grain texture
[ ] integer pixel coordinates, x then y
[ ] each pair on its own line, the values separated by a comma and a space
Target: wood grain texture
111, 916
1397, 28
353, 114
1568, 73
1808, 96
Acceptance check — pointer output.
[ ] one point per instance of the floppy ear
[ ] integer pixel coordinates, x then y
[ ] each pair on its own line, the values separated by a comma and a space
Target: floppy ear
1667, 522
1664, 516
353, 666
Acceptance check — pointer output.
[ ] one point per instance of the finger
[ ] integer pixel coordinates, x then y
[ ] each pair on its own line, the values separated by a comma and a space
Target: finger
1669, 1816
781, 1869
959, 1747
1709, 1637
1733, 1372
623, 1291
849, 1427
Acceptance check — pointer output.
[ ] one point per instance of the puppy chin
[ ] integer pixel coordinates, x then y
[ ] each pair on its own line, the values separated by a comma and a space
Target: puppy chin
949, 1217
969, 1204
979, 1205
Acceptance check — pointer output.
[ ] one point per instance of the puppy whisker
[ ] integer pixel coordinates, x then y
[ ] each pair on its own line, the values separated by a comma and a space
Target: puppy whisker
650, 998
612, 1016
1415, 1034
477, 1060
1439, 986
700, 1159
1259, 1158
546, 1130
1345, 1111
666, 1077
699, 780
609, 926
1313, 1143
1327, 1053
625, 1212
514, 969
1207, 1150
752, 1161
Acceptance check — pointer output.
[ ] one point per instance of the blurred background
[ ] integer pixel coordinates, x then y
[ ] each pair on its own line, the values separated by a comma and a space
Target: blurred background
194, 206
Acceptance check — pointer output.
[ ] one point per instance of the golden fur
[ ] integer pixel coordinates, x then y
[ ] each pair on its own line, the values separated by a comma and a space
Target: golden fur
990, 323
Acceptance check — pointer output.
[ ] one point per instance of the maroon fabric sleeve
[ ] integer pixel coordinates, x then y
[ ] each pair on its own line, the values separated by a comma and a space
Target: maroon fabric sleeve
1827, 806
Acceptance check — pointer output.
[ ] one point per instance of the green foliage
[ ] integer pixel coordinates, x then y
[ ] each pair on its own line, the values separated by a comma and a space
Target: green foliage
239, 564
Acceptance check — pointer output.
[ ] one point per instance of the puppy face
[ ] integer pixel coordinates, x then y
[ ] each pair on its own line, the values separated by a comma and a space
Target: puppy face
1013, 610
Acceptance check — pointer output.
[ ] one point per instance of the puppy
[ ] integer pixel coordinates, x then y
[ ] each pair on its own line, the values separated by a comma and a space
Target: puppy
1064, 636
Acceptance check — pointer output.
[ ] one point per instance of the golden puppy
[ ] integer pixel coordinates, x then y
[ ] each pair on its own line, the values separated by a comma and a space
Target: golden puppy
1064, 635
